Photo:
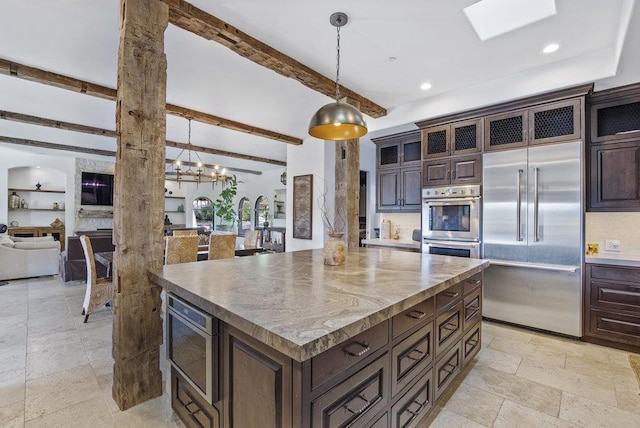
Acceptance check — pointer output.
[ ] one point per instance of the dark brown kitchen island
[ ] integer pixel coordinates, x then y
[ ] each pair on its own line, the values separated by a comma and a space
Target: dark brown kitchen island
295, 343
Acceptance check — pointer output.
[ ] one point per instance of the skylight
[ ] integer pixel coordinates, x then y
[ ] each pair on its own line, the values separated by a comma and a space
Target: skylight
491, 18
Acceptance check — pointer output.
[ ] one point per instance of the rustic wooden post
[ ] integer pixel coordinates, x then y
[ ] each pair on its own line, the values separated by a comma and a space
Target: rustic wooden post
139, 201
347, 186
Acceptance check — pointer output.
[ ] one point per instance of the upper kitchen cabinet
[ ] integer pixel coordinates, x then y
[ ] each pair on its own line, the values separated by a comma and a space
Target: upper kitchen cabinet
542, 124
614, 150
399, 172
452, 170
398, 150
457, 138
615, 114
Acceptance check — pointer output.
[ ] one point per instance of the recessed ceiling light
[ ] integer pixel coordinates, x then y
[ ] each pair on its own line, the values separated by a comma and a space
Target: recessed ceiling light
392, 58
551, 48
425, 86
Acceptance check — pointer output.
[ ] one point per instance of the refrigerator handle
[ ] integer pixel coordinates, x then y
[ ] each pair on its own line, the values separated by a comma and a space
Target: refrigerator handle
518, 205
536, 236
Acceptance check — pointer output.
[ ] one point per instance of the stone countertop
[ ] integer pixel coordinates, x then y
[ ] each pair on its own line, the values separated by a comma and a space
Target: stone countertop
397, 243
616, 259
295, 304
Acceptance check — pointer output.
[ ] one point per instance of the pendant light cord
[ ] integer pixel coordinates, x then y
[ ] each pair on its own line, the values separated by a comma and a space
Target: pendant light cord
338, 64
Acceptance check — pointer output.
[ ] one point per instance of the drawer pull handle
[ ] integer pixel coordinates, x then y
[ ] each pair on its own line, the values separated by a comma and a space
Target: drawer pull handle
194, 411
450, 293
367, 403
474, 281
352, 353
634, 287
449, 368
450, 327
472, 342
474, 308
416, 314
419, 352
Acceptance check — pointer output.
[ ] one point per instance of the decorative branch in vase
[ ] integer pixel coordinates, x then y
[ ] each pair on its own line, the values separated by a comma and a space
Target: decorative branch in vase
334, 250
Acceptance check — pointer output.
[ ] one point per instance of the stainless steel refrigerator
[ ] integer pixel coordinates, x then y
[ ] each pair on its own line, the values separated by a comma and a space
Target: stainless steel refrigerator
533, 235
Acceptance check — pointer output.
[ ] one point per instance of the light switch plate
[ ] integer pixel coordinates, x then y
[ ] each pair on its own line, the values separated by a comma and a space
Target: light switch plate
612, 245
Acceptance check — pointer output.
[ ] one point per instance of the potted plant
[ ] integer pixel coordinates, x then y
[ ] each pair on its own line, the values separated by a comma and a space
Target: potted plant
224, 206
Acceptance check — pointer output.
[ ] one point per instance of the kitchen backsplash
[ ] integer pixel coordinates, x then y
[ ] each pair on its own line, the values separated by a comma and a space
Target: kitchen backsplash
624, 227
405, 221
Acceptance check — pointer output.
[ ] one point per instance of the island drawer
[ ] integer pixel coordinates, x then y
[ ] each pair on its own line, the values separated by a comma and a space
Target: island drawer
472, 283
344, 355
471, 344
189, 404
610, 325
355, 401
411, 356
412, 317
412, 407
447, 369
472, 309
448, 296
448, 328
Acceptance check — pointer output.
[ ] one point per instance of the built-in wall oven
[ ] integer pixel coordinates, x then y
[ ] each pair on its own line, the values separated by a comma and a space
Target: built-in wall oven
451, 220
192, 346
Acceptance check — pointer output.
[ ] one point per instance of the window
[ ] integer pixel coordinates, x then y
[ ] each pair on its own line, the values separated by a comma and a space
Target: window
262, 211
203, 212
244, 216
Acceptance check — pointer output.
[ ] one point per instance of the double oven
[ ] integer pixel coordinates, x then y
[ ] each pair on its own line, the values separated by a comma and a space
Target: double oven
451, 221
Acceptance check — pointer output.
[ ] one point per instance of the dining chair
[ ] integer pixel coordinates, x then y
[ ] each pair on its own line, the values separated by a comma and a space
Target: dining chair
222, 246
181, 249
251, 238
99, 291
185, 232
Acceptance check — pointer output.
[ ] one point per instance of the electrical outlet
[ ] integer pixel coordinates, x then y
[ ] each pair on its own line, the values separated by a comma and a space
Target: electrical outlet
612, 245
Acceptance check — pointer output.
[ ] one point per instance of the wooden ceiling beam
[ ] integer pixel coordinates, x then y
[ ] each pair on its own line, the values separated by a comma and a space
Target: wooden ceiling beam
32, 74
99, 152
199, 22
68, 126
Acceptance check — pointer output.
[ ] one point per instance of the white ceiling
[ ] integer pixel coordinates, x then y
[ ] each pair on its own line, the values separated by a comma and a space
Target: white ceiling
431, 40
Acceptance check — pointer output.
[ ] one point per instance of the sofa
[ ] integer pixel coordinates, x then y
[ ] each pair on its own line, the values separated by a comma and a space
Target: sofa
73, 266
28, 257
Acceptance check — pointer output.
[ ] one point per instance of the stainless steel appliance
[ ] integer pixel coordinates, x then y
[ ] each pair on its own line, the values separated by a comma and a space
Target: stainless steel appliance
532, 233
192, 346
451, 220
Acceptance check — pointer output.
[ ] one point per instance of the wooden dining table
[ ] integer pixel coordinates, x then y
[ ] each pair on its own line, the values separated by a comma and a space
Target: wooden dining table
105, 259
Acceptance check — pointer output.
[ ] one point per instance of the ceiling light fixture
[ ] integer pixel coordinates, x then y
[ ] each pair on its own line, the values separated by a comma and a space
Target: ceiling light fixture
283, 177
551, 48
425, 86
199, 175
338, 121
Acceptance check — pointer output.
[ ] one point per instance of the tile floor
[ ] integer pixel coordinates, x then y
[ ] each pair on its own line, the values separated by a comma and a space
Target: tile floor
56, 371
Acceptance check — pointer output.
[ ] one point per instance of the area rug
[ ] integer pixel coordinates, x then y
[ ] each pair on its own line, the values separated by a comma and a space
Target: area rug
634, 360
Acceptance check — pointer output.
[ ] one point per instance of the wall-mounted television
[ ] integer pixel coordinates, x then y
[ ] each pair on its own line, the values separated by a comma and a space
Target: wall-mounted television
97, 189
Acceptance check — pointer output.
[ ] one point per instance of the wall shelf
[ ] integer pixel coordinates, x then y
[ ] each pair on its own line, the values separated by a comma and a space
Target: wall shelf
36, 190
35, 209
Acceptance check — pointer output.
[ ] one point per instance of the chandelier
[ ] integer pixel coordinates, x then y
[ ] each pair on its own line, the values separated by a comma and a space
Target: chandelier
338, 120
195, 172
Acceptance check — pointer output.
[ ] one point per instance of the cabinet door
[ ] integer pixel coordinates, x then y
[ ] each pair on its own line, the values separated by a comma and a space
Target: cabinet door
435, 141
411, 152
389, 155
552, 123
436, 172
466, 169
615, 177
505, 131
258, 383
615, 120
466, 137
388, 190
411, 190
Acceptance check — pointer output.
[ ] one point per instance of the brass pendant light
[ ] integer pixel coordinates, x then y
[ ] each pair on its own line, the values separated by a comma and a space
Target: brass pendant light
338, 121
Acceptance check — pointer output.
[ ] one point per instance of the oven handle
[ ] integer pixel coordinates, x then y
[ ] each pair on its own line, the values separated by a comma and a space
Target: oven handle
452, 200
453, 244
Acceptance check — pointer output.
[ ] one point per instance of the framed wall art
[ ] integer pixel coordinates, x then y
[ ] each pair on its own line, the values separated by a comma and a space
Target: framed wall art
303, 206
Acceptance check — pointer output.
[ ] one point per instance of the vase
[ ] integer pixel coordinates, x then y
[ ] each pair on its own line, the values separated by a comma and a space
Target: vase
335, 251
